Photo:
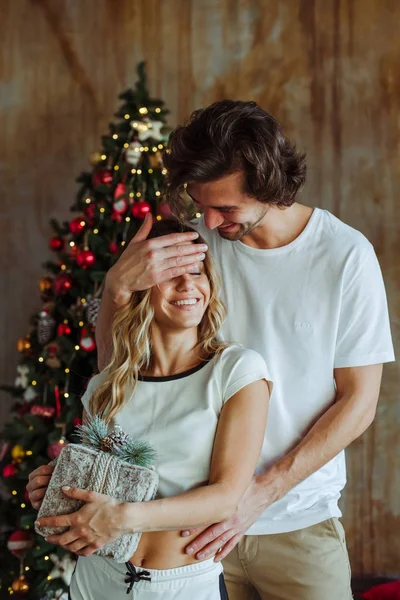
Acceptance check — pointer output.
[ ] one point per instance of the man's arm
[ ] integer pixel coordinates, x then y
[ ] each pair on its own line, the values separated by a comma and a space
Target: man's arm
351, 414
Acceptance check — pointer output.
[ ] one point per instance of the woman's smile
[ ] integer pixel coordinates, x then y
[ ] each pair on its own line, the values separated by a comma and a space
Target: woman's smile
186, 303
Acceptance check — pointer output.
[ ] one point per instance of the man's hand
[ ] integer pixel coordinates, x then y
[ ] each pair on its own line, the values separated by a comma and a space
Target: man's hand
99, 521
38, 482
145, 263
220, 539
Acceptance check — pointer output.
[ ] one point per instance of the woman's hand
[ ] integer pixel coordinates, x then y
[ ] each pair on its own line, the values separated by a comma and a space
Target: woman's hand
99, 521
38, 482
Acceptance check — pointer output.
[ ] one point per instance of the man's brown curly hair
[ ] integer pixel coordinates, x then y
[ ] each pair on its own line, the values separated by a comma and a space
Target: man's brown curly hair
231, 136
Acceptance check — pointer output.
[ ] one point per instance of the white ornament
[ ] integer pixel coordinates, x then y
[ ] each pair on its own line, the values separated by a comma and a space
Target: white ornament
153, 131
22, 379
63, 568
133, 153
30, 394
149, 130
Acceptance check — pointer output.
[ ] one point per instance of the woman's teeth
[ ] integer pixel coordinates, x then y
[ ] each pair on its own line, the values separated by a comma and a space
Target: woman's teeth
183, 302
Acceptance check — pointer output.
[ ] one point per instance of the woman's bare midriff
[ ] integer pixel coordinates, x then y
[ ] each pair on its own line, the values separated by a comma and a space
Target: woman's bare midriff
163, 550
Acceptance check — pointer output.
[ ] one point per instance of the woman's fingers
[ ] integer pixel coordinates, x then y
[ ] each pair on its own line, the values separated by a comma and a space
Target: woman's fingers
36, 504
37, 494
38, 482
42, 470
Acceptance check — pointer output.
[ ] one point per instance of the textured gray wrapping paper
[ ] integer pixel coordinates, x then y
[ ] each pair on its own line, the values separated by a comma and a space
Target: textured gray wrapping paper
98, 471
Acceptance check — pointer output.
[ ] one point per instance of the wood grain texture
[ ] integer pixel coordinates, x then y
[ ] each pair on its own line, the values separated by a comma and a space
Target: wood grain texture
327, 69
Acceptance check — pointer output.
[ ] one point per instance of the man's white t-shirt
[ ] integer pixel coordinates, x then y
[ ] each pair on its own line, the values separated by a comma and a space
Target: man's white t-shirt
178, 414
309, 307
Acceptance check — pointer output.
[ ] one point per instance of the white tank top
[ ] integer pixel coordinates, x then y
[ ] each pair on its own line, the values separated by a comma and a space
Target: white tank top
178, 415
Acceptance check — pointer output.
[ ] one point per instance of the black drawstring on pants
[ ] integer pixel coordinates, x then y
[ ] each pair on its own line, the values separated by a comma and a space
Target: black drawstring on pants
133, 576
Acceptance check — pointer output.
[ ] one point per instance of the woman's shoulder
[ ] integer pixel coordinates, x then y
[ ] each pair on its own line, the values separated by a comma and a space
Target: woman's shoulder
240, 367
236, 359
236, 352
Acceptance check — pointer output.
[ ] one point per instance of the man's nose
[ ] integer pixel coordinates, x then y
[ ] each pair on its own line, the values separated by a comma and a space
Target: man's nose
212, 218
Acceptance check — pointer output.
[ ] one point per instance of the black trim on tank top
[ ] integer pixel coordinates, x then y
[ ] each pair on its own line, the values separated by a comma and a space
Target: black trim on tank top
177, 376
223, 592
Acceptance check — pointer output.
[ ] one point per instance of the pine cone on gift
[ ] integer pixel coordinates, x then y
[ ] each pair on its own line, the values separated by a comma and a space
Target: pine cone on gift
92, 310
45, 328
114, 439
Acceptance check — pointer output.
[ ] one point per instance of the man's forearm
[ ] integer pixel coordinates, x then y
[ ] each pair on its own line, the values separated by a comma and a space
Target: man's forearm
345, 421
111, 300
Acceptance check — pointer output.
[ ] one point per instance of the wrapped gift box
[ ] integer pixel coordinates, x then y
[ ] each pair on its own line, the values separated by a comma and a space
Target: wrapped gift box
81, 466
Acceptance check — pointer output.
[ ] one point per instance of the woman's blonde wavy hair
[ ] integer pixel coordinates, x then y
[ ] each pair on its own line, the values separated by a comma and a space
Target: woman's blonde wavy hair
132, 351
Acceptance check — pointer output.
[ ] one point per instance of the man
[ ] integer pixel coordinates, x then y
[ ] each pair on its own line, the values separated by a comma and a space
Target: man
305, 291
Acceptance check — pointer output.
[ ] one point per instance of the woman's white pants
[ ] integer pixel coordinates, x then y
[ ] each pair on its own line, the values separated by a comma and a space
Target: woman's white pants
101, 578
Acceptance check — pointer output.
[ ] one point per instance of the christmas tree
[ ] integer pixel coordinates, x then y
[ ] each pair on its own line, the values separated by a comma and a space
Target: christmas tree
58, 354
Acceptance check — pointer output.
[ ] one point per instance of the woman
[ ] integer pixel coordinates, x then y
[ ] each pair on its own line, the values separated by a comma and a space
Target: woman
169, 381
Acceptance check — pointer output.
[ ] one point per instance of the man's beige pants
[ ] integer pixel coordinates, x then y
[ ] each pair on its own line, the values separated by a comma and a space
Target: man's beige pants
308, 564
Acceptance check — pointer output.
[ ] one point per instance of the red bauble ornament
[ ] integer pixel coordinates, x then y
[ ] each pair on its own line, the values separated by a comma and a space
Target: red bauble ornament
140, 209
113, 248
9, 471
26, 496
73, 251
164, 210
87, 342
120, 190
77, 225
116, 217
62, 283
63, 329
90, 210
43, 410
19, 542
77, 421
102, 176
53, 450
85, 258
56, 243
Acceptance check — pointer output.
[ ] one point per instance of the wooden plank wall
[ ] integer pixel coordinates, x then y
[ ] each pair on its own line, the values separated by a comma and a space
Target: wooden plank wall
327, 69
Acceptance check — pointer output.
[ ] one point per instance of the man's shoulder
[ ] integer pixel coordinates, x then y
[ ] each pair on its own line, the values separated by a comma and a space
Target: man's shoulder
344, 240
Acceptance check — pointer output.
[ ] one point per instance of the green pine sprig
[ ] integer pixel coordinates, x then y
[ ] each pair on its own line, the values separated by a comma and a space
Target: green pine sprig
93, 432
134, 452
138, 453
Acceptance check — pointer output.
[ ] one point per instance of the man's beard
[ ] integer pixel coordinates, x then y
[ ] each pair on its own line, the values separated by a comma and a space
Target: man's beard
243, 228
